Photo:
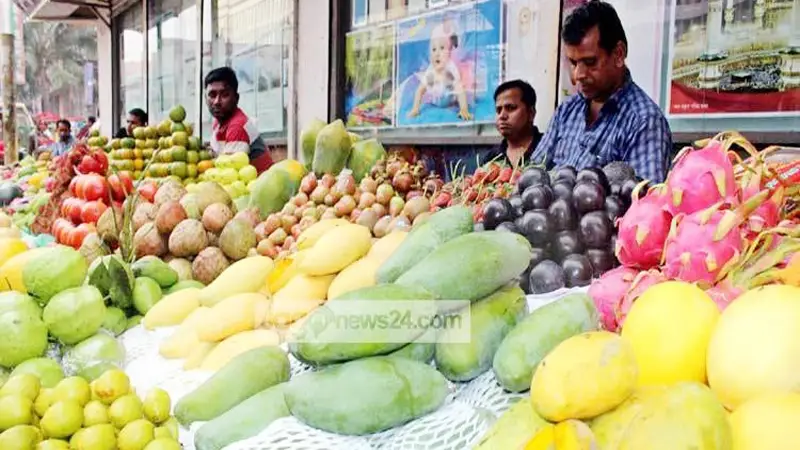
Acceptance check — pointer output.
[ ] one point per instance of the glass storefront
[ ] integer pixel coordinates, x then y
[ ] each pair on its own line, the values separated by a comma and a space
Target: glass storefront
172, 57
131, 61
252, 36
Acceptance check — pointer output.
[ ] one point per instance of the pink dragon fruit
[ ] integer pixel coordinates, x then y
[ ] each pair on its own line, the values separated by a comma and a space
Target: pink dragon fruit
643, 230
700, 179
703, 247
607, 293
724, 294
640, 284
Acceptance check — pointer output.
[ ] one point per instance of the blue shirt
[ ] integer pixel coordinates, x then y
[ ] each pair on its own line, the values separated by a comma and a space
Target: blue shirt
630, 127
59, 147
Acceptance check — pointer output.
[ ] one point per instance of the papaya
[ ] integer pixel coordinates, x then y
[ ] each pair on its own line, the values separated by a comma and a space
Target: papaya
331, 149
513, 429
322, 339
490, 319
363, 156
366, 396
270, 191
471, 266
153, 267
244, 376
335, 250
295, 169
308, 140
243, 421
420, 242
535, 336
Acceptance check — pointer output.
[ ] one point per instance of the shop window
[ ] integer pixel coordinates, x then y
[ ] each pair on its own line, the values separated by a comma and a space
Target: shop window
172, 44
131, 61
253, 37
430, 67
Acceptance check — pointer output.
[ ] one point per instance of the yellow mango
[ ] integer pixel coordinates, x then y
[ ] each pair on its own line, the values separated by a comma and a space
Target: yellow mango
336, 250
237, 344
300, 296
767, 422
312, 234
567, 435
11, 270
180, 343
584, 376
10, 247
358, 275
12, 233
383, 248
172, 309
244, 276
284, 270
230, 316
197, 354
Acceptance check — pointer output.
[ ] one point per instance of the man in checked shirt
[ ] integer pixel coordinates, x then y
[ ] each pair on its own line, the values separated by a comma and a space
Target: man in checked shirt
611, 118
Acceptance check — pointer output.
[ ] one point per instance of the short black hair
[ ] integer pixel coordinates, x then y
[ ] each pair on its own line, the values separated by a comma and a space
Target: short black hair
222, 74
595, 13
92, 119
528, 93
65, 122
139, 112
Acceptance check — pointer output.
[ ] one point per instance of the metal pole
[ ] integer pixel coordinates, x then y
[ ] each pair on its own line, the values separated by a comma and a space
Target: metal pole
8, 87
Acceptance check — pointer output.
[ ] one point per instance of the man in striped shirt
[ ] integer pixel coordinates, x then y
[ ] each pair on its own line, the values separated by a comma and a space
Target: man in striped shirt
232, 131
611, 118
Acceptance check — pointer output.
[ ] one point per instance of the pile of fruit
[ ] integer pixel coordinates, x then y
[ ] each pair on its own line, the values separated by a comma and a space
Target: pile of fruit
714, 222
44, 410
569, 220
233, 172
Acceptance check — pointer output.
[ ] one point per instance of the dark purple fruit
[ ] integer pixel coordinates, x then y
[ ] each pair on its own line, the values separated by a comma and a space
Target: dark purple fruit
626, 190
538, 254
602, 261
566, 243
508, 226
566, 173
563, 189
577, 271
595, 230
516, 202
536, 226
615, 208
546, 277
594, 174
538, 196
563, 214
588, 196
497, 211
532, 176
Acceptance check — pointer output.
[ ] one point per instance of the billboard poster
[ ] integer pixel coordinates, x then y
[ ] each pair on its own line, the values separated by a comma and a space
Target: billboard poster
448, 64
734, 59
369, 77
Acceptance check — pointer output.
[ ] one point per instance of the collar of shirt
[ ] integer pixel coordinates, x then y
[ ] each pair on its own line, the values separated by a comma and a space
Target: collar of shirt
498, 153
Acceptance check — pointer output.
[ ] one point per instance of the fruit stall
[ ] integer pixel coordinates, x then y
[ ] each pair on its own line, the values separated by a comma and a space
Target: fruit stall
155, 297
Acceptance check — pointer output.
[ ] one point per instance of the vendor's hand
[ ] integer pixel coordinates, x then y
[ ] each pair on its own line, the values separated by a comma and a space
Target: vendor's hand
465, 114
414, 112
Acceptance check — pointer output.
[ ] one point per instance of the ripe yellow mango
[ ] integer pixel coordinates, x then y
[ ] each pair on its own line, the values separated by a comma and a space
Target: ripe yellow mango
383, 248
299, 297
237, 344
358, 275
232, 315
244, 276
172, 309
312, 234
180, 343
336, 249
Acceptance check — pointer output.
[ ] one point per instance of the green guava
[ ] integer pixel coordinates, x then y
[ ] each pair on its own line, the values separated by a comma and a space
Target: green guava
75, 314
50, 272
22, 337
115, 321
48, 371
17, 301
93, 354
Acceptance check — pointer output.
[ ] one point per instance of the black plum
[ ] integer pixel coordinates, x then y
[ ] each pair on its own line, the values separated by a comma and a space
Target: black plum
566, 243
547, 276
531, 177
595, 230
536, 226
497, 211
577, 271
588, 196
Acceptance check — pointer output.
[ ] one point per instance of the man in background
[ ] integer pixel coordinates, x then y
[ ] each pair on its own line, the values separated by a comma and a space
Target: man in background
137, 117
610, 118
515, 110
84, 133
231, 130
64, 140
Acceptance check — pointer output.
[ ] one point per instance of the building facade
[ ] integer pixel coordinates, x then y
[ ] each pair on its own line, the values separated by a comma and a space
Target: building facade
422, 72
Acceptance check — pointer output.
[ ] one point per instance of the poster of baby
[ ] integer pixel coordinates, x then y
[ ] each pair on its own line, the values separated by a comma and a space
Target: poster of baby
448, 64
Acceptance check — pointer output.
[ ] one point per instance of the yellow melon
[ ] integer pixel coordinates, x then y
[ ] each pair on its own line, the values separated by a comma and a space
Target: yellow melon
767, 422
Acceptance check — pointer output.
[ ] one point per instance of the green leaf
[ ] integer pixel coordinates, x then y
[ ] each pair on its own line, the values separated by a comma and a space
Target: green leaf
121, 291
100, 278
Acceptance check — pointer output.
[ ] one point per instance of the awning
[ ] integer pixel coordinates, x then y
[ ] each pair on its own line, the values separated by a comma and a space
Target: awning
66, 10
